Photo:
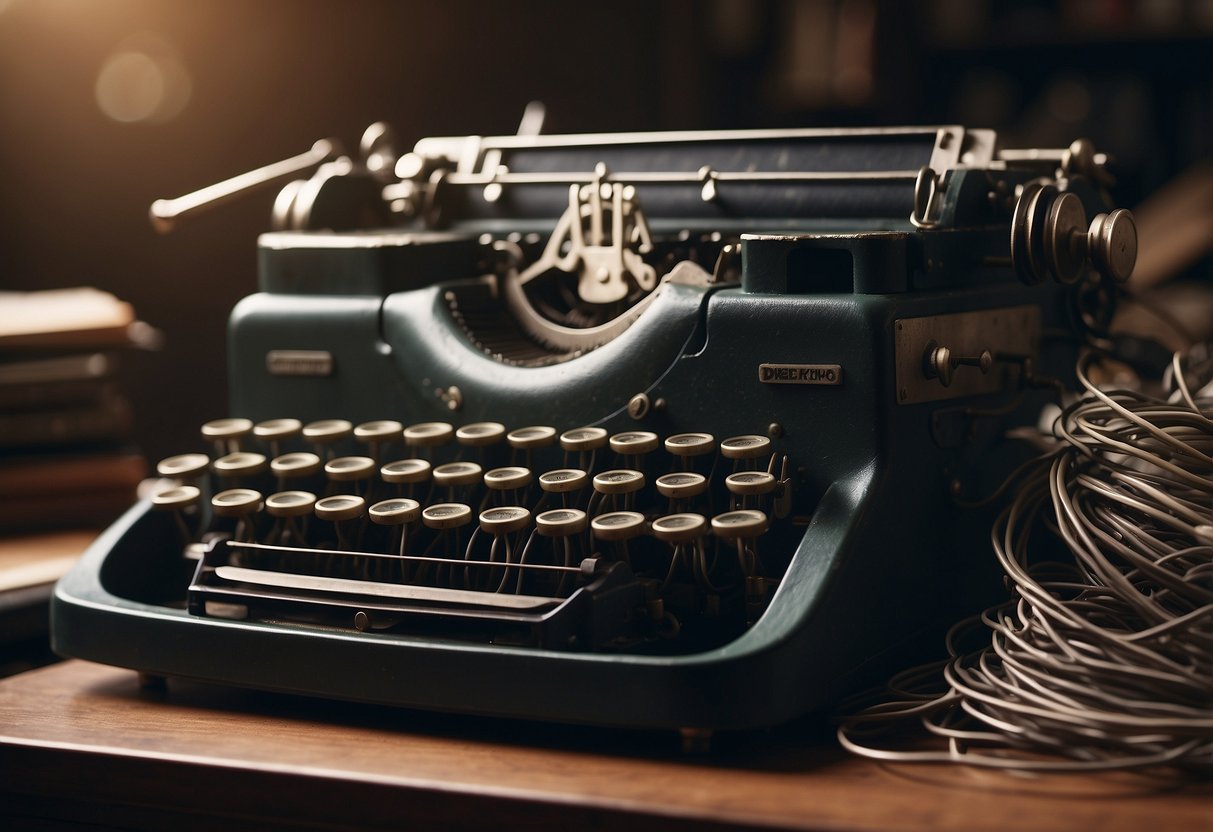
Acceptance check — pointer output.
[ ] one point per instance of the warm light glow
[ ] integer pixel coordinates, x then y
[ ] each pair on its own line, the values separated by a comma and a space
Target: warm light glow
143, 80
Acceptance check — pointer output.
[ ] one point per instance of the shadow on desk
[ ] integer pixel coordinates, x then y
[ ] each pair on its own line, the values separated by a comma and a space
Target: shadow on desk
83, 743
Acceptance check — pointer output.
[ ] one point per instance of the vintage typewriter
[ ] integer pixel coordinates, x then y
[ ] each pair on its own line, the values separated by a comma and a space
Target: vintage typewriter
658, 430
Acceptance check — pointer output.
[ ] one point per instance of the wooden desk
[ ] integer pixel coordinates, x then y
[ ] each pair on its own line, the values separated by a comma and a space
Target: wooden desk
80, 742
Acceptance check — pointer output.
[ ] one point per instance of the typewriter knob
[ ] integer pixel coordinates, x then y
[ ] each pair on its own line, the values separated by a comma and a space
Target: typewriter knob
446, 516
183, 467
534, 436
226, 433
173, 499
634, 442
295, 465
480, 434
239, 464
236, 502
740, 524
508, 479
377, 433
455, 474
563, 480
939, 362
395, 512
406, 471
326, 432
681, 485
679, 528
504, 520
619, 481
290, 504
583, 439
561, 522
750, 446
428, 434
618, 525
1112, 241
690, 444
750, 483
340, 507
277, 429
349, 468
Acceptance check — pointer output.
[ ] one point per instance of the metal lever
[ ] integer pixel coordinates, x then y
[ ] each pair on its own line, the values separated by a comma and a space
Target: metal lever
938, 362
164, 212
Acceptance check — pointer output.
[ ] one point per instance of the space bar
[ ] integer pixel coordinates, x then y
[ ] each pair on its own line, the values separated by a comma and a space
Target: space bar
404, 592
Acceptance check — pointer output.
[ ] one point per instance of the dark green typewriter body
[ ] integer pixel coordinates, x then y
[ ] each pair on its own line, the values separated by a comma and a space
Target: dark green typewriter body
654, 430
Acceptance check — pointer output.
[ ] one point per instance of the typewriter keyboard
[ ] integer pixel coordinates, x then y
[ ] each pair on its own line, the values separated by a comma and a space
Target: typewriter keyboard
578, 539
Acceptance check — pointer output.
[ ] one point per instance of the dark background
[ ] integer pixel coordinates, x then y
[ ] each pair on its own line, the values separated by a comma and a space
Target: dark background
267, 78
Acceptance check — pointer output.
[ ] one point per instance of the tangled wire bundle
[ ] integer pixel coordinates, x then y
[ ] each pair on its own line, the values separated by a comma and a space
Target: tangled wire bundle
1106, 661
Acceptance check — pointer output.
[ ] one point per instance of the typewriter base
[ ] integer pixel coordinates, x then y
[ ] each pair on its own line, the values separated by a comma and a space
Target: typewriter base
811, 647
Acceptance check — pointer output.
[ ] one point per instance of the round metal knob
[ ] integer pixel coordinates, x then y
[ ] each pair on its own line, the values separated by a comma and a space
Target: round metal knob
504, 520
446, 516
395, 512
561, 522
563, 480
341, 507
290, 503
406, 471
583, 439
679, 528
1112, 241
618, 525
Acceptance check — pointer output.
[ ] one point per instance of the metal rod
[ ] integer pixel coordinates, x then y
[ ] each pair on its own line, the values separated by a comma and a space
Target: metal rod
164, 212
675, 177
420, 558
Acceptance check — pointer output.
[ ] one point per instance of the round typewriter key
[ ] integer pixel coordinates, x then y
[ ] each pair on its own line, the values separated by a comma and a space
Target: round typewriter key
349, 468
454, 474
294, 465
380, 430
751, 446
480, 434
681, 485
236, 502
633, 442
226, 432
747, 483
340, 507
618, 525
239, 464
534, 436
183, 466
274, 430
561, 522
679, 528
506, 479
504, 520
395, 512
446, 516
428, 434
290, 504
583, 439
619, 481
406, 471
327, 431
738, 524
563, 480
177, 500
690, 444
172, 499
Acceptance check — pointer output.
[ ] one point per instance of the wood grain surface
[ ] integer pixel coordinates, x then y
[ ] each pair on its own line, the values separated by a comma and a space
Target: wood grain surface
84, 743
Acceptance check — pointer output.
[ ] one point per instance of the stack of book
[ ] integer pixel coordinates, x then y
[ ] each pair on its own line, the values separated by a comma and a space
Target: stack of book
66, 455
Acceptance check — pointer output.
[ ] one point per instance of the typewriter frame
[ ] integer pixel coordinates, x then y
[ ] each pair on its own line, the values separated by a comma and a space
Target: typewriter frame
846, 587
